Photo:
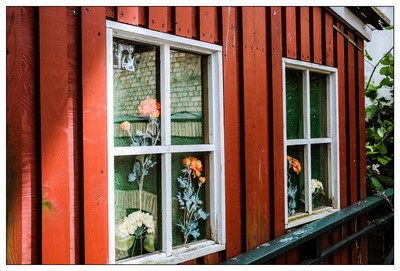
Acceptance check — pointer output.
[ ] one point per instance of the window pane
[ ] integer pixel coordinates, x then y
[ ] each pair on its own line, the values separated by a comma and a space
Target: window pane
136, 94
137, 183
295, 179
190, 178
318, 105
187, 98
294, 104
319, 174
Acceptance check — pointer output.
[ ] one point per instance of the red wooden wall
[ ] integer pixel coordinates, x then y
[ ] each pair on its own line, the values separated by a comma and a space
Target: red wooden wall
56, 122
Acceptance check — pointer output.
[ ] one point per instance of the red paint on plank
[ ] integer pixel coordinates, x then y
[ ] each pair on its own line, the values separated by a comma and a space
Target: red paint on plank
22, 128
183, 21
305, 33
73, 132
158, 18
94, 122
329, 50
277, 122
110, 14
256, 126
340, 47
317, 34
352, 120
54, 135
195, 26
233, 127
129, 15
214, 258
291, 36
209, 24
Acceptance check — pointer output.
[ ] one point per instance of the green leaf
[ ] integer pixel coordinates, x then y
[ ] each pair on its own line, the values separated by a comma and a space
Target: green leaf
375, 184
381, 131
383, 160
385, 82
384, 71
389, 27
382, 149
148, 243
367, 55
124, 243
386, 181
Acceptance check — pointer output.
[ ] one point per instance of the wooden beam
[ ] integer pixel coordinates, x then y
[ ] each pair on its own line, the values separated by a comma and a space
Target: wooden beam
94, 135
54, 135
233, 132
208, 24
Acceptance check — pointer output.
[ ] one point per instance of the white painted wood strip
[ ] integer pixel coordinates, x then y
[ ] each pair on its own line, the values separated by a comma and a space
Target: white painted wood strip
123, 151
110, 143
166, 204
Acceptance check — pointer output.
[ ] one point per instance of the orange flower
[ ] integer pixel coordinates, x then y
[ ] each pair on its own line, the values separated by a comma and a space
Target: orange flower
296, 165
149, 107
196, 167
186, 162
126, 126
201, 180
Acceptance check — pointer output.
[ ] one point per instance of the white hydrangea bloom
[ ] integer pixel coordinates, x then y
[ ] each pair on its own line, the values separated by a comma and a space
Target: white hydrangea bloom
134, 221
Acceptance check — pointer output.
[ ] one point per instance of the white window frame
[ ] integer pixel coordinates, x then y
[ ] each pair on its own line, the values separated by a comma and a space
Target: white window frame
215, 147
333, 189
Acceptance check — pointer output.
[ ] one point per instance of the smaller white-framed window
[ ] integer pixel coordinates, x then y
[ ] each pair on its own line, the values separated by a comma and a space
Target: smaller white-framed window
311, 147
165, 147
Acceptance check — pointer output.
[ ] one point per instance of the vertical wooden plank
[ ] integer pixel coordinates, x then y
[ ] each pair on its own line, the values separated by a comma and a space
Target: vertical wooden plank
21, 137
316, 35
131, 15
277, 120
340, 63
352, 120
209, 24
158, 18
293, 256
214, 258
94, 132
110, 13
256, 126
361, 120
195, 22
73, 33
277, 125
183, 21
328, 30
305, 33
54, 135
291, 36
233, 132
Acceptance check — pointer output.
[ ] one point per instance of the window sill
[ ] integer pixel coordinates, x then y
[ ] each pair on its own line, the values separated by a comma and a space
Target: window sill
179, 254
303, 218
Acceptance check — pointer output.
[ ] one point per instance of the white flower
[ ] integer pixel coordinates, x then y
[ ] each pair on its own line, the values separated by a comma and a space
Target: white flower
134, 221
316, 186
375, 168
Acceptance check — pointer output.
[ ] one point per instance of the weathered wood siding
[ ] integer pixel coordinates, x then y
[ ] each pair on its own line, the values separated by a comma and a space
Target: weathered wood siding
56, 122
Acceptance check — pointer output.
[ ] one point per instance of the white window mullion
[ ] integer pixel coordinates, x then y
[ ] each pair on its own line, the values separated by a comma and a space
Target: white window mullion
110, 143
166, 186
307, 124
285, 142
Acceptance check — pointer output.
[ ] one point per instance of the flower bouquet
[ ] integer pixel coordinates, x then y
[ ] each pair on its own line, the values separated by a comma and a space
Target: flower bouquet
137, 226
189, 201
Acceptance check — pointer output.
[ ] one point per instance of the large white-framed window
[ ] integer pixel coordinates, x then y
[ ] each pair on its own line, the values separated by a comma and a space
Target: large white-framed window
311, 146
165, 146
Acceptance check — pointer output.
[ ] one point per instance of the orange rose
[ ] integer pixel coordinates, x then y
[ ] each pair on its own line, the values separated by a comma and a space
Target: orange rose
126, 126
196, 167
296, 165
149, 107
201, 180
